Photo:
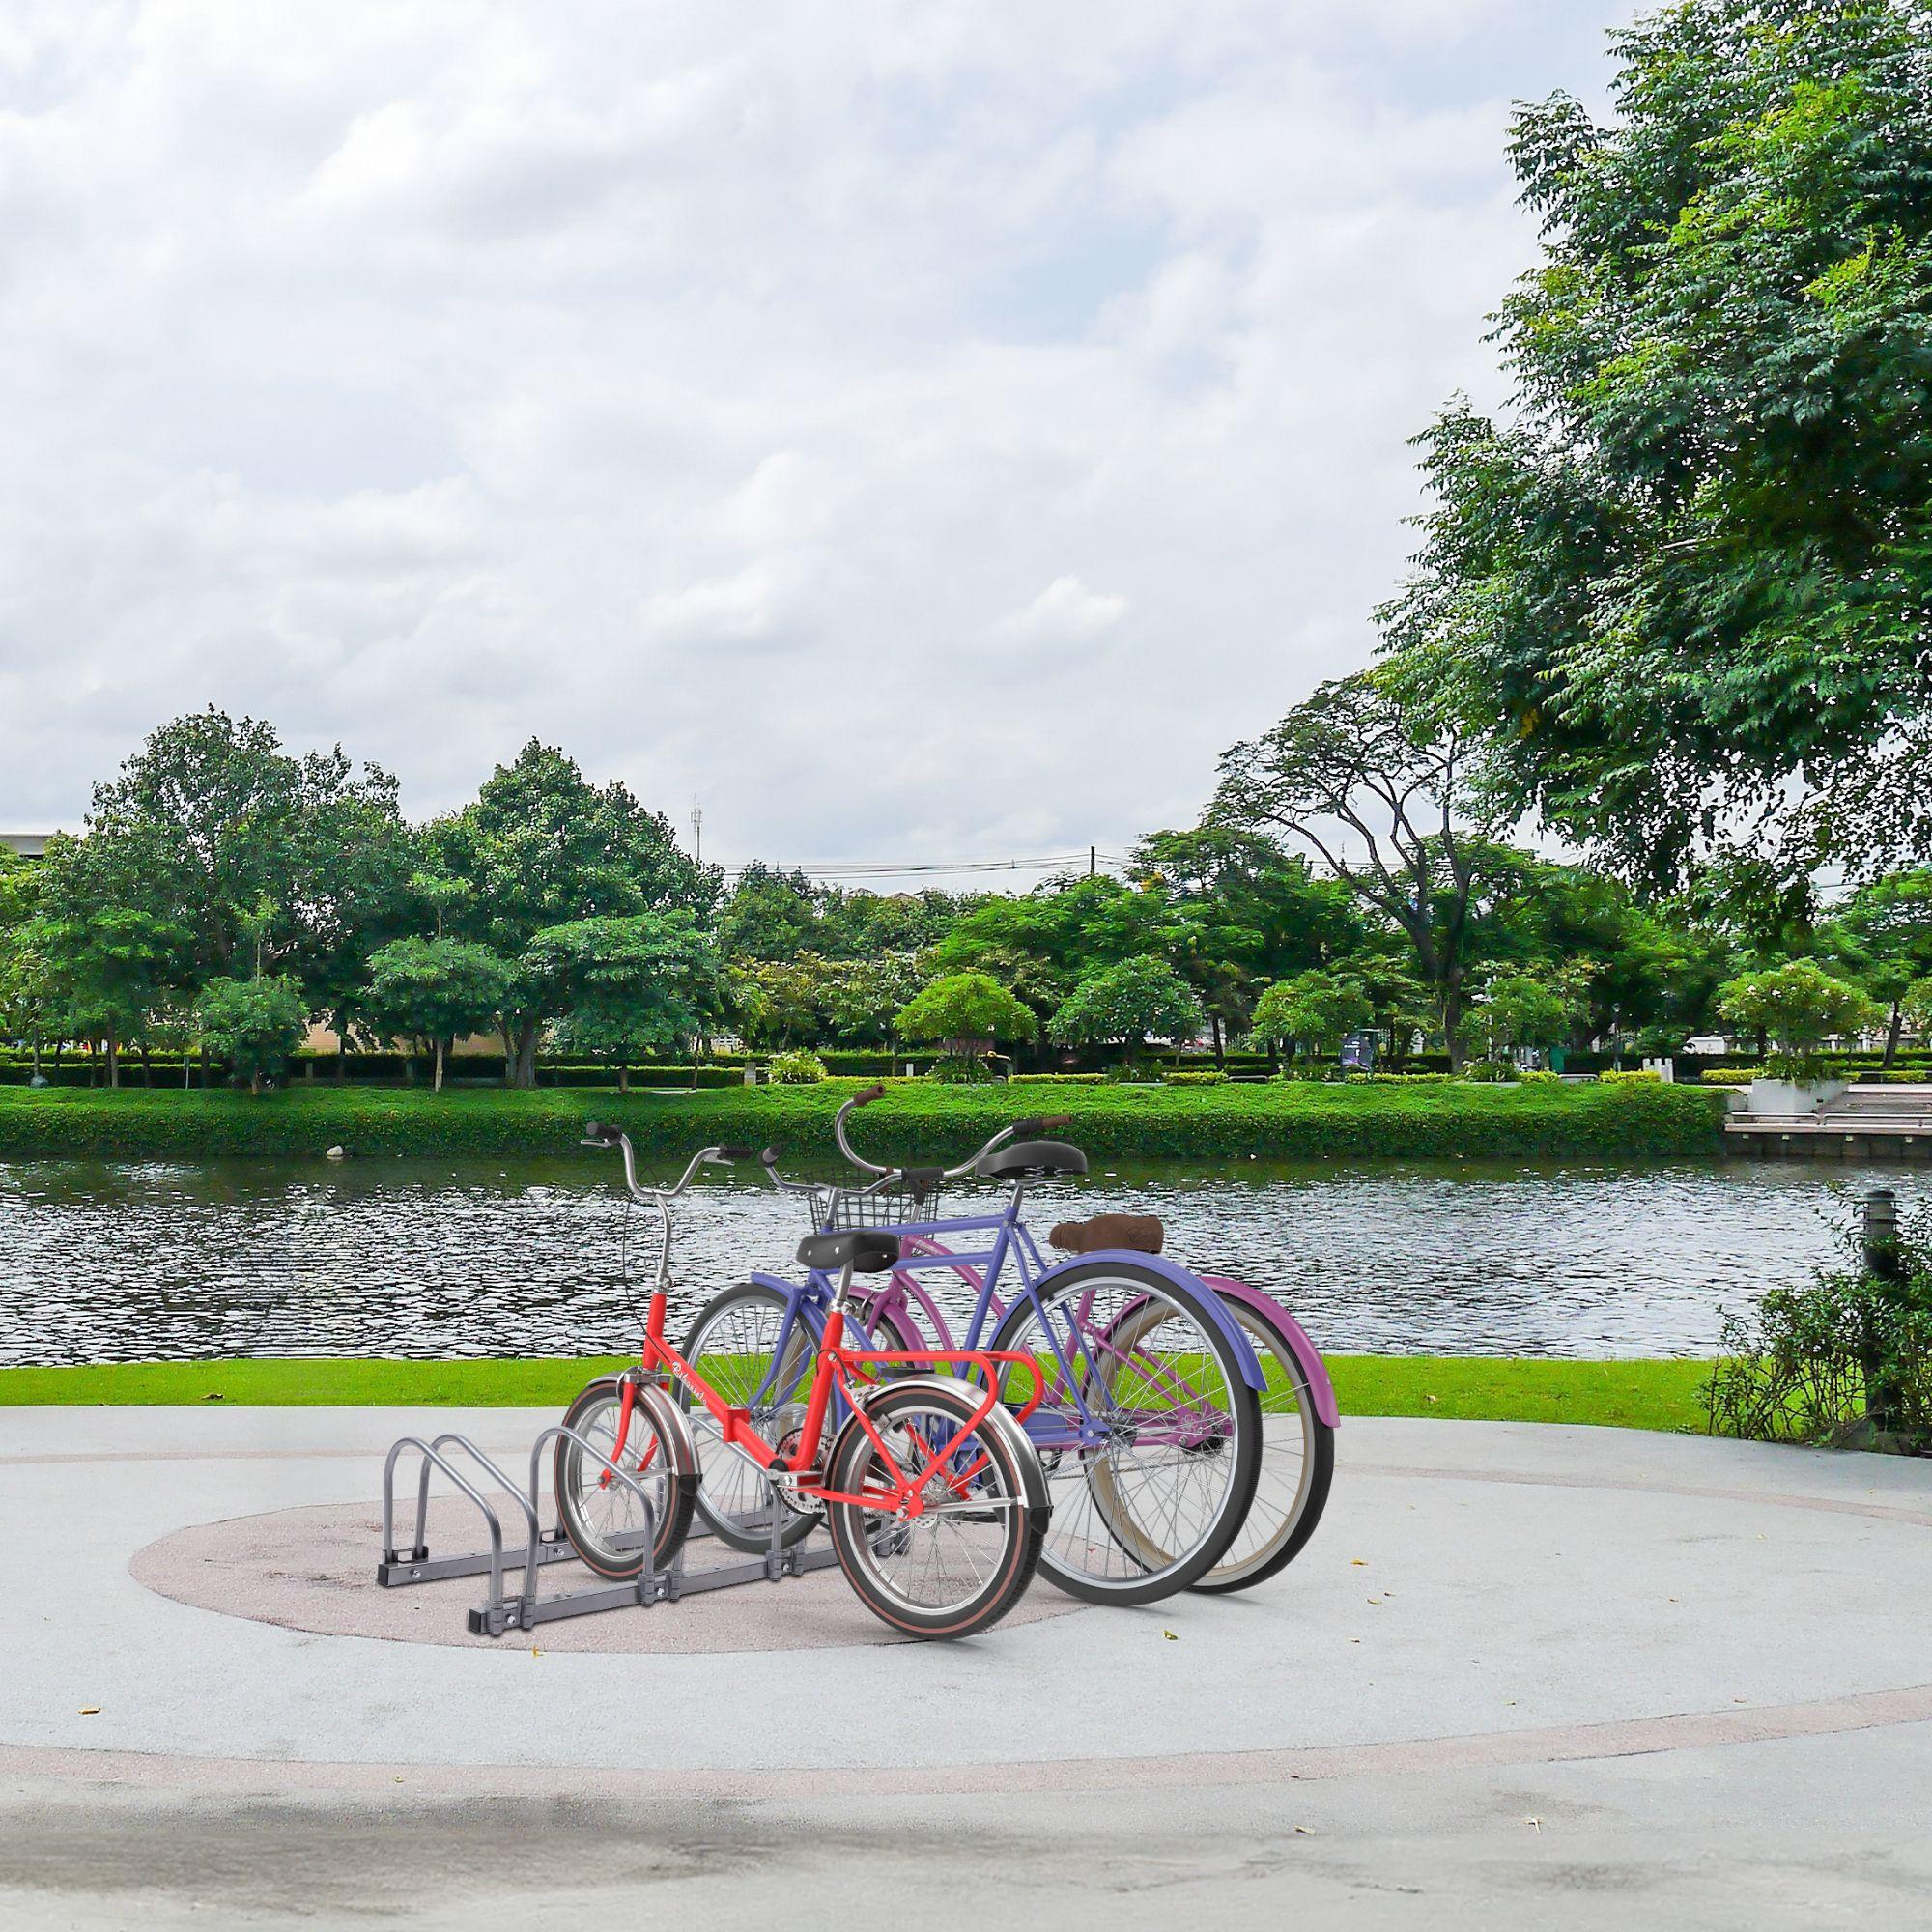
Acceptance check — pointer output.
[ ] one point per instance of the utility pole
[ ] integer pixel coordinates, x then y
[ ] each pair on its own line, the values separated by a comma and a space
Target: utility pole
697, 833
1092, 860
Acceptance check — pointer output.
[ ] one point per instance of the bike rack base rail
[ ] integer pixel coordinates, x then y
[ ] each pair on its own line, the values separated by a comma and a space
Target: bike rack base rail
503, 1612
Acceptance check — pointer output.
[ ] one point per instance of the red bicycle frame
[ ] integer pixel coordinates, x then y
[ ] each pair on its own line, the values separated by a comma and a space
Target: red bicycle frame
833, 1367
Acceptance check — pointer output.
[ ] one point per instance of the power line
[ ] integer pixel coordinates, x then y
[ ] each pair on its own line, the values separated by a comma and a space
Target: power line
837, 871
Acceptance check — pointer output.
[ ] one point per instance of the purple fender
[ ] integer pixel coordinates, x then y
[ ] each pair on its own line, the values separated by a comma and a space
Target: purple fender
1236, 1335
1314, 1369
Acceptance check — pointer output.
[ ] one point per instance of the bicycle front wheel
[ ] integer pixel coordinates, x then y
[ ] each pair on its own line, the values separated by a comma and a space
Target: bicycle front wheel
1148, 1435
960, 1564
601, 1515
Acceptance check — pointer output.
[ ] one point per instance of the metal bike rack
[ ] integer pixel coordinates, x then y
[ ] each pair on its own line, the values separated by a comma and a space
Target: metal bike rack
501, 1612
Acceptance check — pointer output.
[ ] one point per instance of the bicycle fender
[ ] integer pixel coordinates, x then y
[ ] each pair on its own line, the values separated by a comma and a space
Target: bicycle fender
1131, 1259
1307, 1358
673, 1425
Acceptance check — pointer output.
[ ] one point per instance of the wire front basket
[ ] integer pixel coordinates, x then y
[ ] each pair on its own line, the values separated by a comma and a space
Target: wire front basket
891, 1203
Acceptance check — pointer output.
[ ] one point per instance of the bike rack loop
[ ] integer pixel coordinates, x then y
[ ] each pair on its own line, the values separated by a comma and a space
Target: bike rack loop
499, 1615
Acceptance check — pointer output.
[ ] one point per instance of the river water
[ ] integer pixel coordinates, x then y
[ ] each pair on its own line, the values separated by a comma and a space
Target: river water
136, 1261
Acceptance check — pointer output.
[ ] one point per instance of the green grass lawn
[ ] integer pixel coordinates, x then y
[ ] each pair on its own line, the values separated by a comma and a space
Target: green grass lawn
916, 1121
1619, 1395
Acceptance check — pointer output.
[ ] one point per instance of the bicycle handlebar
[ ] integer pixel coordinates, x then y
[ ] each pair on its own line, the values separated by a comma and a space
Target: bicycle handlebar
1019, 1130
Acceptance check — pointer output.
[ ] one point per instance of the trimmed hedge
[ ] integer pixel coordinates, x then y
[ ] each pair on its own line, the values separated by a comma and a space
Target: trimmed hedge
917, 1121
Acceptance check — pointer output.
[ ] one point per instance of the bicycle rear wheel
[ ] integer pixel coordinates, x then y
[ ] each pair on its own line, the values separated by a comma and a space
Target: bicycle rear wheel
1297, 1463
966, 1559
1151, 1446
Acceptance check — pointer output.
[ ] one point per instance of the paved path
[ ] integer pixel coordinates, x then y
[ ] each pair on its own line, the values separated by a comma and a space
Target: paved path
1521, 1675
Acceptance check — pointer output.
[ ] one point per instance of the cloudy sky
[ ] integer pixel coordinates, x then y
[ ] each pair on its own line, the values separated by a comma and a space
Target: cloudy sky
916, 431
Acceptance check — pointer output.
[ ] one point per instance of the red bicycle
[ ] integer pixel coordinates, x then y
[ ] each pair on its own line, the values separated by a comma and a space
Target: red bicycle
932, 1491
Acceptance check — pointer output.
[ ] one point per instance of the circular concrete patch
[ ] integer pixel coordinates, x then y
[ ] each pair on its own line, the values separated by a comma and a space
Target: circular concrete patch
315, 1569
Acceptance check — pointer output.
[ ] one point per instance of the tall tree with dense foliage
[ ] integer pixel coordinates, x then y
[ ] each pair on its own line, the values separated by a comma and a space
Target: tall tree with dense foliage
1246, 913
209, 820
540, 846
1684, 592
1383, 792
1882, 938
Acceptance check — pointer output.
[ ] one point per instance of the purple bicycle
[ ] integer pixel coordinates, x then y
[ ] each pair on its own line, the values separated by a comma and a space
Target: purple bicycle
1143, 1397
1298, 1404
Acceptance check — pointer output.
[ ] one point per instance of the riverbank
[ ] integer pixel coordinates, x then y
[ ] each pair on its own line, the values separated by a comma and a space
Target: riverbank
1665, 1395
917, 1121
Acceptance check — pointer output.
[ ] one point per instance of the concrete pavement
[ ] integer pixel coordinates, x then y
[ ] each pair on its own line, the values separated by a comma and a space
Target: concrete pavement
1521, 1673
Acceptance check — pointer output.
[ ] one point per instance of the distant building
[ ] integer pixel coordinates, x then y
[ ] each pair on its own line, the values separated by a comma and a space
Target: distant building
25, 844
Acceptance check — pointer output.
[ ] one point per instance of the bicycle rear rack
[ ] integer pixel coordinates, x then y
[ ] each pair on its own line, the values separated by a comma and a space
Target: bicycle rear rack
501, 1612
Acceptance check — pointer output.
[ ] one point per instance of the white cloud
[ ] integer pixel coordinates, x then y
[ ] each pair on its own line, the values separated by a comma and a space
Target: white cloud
712, 390
1065, 612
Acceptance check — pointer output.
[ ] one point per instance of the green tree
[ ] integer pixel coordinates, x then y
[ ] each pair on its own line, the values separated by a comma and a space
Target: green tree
1882, 937
1682, 593
209, 821
1516, 1013
966, 1012
1376, 766
1246, 913
253, 1024
629, 987
1917, 1006
1043, 943
26, 1004
1798, 1006
1124, 1005
436, 990
540, 847
1314, 1011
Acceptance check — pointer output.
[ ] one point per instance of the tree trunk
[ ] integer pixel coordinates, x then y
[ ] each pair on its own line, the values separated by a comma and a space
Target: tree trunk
527, 1054
204, 1067
438, 1088
341, 1048
113, 1058
623, 1078
35, 1044
147, 1064
509, 1040
255, 1085
1220, 1045
1892, 1034
1450, 999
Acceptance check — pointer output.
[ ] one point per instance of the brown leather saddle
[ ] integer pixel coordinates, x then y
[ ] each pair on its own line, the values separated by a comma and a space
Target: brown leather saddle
1142, 1233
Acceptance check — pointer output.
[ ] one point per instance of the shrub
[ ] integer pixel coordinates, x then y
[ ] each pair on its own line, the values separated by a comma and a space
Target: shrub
1057, 1080
1805, 1364
1216, 1079
1634, 1076
799, 1068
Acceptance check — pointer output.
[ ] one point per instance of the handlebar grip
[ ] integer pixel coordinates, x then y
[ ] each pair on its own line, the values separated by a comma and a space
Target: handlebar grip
1029, 1129
864, 1098
1056, 1120
735, 1153
597, 1134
